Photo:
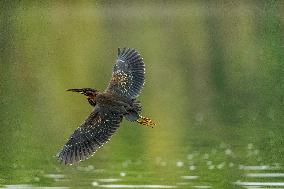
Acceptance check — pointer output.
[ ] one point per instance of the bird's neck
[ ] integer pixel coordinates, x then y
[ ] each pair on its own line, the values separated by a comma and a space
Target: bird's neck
92, 98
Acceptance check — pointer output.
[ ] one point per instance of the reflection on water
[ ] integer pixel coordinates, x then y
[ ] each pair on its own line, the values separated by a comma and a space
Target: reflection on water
251, 176
56, 177
260, 184
135, 186
189, 177
261, 167
26, 186
109, 180
265, 175
214, 85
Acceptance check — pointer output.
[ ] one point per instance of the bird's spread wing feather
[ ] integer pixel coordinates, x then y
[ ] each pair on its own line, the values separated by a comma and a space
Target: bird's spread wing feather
127, 74
91, 135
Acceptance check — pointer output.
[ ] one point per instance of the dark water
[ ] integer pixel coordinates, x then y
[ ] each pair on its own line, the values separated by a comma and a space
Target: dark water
214, 86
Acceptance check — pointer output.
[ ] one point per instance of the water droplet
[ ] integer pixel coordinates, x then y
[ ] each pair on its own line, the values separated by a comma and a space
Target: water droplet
95, 183
228, 151
122, 174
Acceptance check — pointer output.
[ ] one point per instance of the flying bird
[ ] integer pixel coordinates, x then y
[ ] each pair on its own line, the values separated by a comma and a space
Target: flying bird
118, 101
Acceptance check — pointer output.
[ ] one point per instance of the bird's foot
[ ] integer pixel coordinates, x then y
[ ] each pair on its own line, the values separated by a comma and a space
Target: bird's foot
146, 121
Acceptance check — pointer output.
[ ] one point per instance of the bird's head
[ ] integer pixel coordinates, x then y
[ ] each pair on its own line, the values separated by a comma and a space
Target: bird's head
85, 91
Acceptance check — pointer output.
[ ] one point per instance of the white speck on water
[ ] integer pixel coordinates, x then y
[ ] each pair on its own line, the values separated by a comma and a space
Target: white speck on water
228, 151
231, 164
109, 180
211, 167
87, 168
27, 186
189, 177
258, 184
221, 165
90, 167
265, 175
206, 156
183, 183
14, 165
202, 186
55, 176
190, 156
36, 179
179, 164
95, 183
209, 163
126, 163
256, 168
250, 146
135, 186
192, 167
276, 165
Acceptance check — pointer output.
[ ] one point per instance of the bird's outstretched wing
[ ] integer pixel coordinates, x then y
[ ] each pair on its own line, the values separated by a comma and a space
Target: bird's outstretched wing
127, 74
91, 135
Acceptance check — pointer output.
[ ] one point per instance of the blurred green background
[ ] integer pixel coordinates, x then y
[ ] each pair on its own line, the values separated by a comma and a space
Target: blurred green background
214, 85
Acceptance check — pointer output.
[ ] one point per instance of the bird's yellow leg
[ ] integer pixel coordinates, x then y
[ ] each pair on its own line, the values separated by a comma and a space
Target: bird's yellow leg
145, 121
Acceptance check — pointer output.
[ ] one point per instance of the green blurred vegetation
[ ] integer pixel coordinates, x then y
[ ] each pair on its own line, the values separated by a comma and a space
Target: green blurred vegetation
214, 76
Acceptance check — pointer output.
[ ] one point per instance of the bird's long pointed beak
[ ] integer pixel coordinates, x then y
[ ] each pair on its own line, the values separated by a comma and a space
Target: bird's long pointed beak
75, 90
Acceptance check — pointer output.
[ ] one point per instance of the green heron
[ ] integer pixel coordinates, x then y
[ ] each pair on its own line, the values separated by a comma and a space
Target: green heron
117, 101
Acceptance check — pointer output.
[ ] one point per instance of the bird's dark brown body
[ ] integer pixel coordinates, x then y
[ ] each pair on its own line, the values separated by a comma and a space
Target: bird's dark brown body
112, 101
110, 106
119, 104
